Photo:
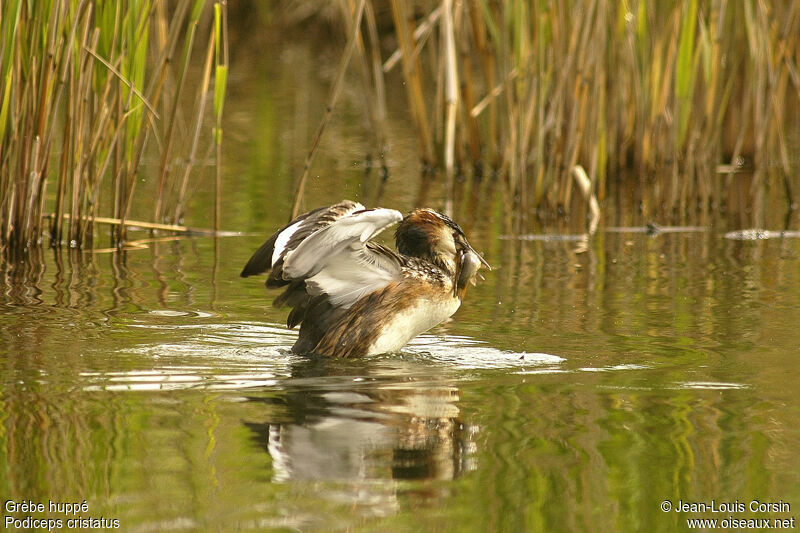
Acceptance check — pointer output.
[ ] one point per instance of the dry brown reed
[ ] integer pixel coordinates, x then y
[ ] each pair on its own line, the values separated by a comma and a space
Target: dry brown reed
680, 94
83, 87
336, 89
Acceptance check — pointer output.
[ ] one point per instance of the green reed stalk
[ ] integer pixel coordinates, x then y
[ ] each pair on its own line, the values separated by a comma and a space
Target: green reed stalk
669, 91
196, 130
170, 134
220, 84
85, 77
686, 68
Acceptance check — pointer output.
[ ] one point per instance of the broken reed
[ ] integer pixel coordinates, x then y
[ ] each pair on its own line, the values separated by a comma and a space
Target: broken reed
674, 91
85, 86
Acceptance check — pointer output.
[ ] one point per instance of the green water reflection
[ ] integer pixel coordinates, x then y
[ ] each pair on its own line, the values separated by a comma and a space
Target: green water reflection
170, 401
578, 387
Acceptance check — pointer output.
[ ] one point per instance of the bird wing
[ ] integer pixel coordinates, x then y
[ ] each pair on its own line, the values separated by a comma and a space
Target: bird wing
327, 259
336, 261
271, 254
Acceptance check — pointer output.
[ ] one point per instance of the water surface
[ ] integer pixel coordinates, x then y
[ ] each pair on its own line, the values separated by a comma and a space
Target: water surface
584, 382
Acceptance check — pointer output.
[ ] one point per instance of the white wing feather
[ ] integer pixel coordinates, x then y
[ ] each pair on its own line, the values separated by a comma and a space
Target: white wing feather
336, 262
285, 235
283, 240
346, 281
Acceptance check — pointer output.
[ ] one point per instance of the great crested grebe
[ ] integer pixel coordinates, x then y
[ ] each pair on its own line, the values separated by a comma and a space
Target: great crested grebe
353, 296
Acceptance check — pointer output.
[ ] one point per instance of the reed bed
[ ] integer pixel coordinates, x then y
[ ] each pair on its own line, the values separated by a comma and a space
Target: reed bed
87, 88
682, 95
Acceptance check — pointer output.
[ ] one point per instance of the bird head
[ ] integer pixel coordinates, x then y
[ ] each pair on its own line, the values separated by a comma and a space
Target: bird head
429, 235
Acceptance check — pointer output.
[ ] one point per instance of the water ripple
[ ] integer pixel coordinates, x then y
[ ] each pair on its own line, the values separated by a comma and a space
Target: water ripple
712, 385
249, 355
468, 353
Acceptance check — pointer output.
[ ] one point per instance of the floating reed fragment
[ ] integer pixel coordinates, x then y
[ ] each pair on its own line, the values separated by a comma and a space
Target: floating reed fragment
140, 224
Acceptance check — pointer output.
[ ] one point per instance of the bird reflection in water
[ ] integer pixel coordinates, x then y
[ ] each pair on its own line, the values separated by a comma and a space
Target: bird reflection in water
329, 425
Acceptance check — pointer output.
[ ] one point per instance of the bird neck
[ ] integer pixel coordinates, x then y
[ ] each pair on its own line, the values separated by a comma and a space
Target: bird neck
444, 261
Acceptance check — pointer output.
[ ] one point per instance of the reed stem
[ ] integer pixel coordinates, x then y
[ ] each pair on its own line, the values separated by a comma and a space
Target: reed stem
336, 90
87, 77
